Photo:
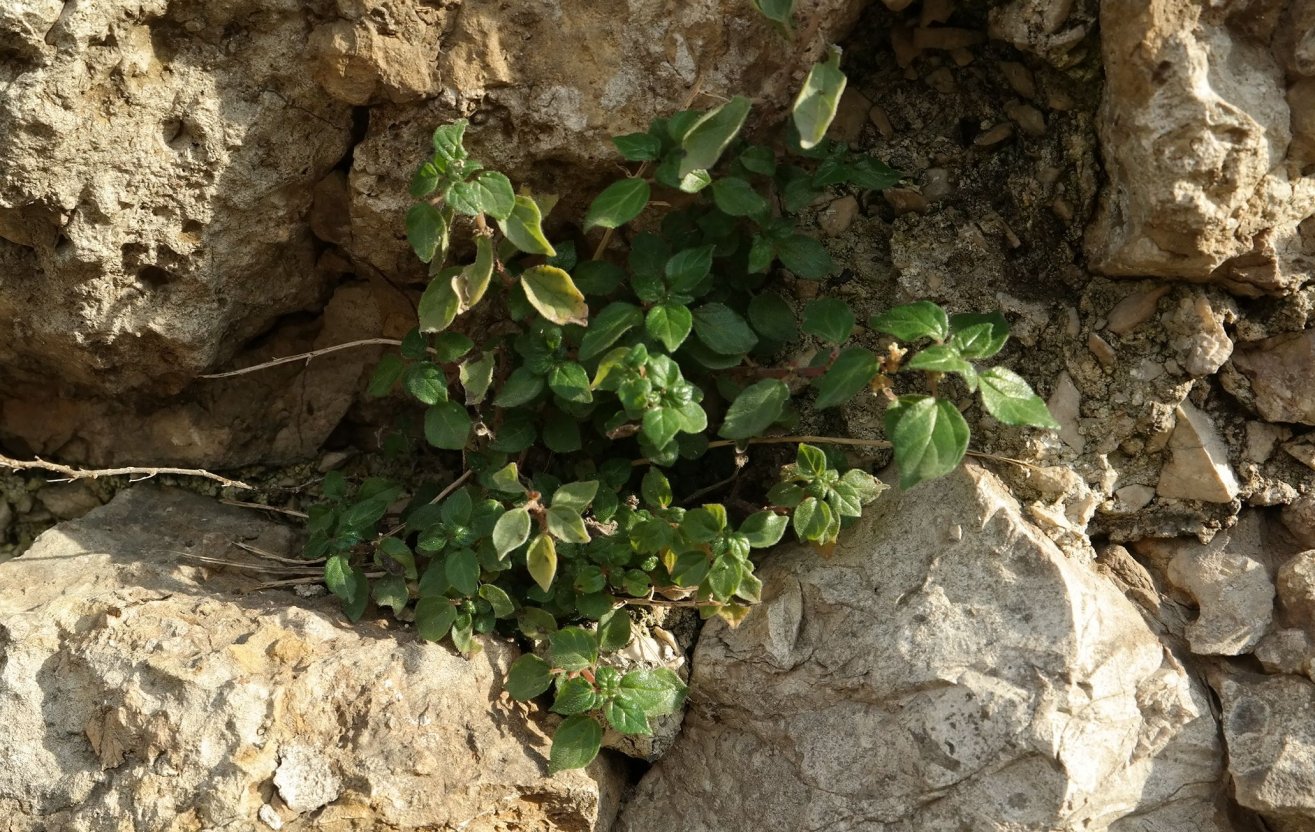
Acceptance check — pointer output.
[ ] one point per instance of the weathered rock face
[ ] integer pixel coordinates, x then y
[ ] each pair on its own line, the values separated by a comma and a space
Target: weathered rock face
1269, 725
941, 672
1278, 370
1195, 132
138, 692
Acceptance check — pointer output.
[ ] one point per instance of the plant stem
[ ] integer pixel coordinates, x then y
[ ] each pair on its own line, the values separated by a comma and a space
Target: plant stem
68, 473
307, 356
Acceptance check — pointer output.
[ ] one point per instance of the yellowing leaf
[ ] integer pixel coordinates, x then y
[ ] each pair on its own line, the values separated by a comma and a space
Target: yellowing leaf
551, 291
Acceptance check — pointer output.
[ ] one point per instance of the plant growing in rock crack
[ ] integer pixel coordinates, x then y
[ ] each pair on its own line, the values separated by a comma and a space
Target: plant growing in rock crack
572, 386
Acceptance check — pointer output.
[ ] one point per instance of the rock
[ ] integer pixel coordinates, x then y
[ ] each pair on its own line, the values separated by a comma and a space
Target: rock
1198, 467
1284, 651
1046, 28
1065, 405
1235, 597
1269, 728
1299, 518
158, 166
1301, 100
141, 692
836, 218
1203, 345
918, 682
1019, 78
1278, 369
382, 51
1296, 588
1134, 310
67, 500
1134, 497
1194, 128
1262, 437
1028, 118
1294, 39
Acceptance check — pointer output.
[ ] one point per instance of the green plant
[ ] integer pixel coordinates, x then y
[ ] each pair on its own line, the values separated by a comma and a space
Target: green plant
568, 385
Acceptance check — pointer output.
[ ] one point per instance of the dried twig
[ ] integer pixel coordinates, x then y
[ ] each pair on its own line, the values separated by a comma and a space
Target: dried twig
307, 356
452, 486
67, 474
262, 507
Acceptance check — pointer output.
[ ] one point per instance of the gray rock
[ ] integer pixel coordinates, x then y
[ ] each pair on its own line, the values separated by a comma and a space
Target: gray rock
1296, 588
1278, 369
1235, 597
918, 682
1269, 728
140, 692
1198, 467
1284, 651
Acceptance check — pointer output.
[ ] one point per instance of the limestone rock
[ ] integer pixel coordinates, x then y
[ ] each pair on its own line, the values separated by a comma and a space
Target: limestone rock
381, 51
1194, 129
1198, 467
1299, 518
140, 692
1296, 588
1048, 28
1284, 651
1269, 728
919, 682
1278, 369
1235, 596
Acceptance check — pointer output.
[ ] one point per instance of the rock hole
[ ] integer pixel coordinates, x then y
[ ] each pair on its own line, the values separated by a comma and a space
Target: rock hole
154, 277
170, 130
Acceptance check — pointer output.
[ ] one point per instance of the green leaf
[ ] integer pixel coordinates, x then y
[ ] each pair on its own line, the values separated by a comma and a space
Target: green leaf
507, 479
638, 147
812, 518
598, 277
722, 329
690, 569
709, 136
551, 291
434, 617
524, 228
852, 370
567, 525
529, 676
661, 424
398, 552
911, 321
488, 192
777, 10
498, 599
576, 743
772, 317
541, 560
979, 336
1008, 398
385, 376
626, 716
658, 691
473, 280
930, 437
476, 374
449, 151
804, 256
656, 489
425, 180
687, 269
512, 530
736, 197
520, 388
571, 382
439, 304
390, 591
755, 409
764, 529
940, 358
830, 319
816, 104
425, 230
607, 327
576, 495
705, 523
561, 433
447, 426
618, 204
338, 578
536, 623
614, 631
669, 323
427, 383
575, 696
449, 346
724, 577
573, 649
695, 181
759, 159
462, 569
810, 461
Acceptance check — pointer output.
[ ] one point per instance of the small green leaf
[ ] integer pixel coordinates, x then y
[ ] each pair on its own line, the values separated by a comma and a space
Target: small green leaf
473, 280
561, 433
575, 696
573, 649
626, 716
385, 376
338, 578
759, 159
607, 327
462, 569
529, 676
812, 518
512, 530
755, 409
614, 630
736, 197
930, 437
764, 529
816, 104
447, 426
830, 319
576, 743
709, 136
810, 461
449, 346
576, 495
804, 256
439, 304
777, 10
449, 151
598, 277
656, 489
724, 577
425, 230
476, 374
434, 618
507, 479
658, 691
669, 323
722, 329
638, 147
567, 525
488, 192
498, 599
979, 336
618, 204
520, 388
1009, 398
772, 317
425, 180
940, 358
661, 424
552, 292
911, 321
690, 569
524, 228
541, 560
705, 523
852, 371
687, 269
571, 382
390, 591
427, 383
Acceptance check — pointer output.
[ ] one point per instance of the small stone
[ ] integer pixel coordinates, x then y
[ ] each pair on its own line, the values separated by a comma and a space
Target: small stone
1065, 405
1284, 651
1102, 350
1134, 497
1028, 118
333, 460
68, 500
1135, 310
997, 134
1296, 587
1061, 208
1271, 745
942, 80
901, 43
1235, 597
1019, 78
1206, 350
1303, 452
946, 37
1279, 370
1198, 467
836, 218
936, 184
1262, 438
851, 115
1299, 518
906, 201
897, 5
935, 11
305, 779
881, 121
1059, 100
962, 57
269, 817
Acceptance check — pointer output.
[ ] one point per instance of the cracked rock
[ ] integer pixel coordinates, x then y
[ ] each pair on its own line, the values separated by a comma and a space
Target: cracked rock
1198, 467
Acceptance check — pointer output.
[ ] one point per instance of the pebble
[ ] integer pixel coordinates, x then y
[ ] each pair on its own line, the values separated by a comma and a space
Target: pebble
881, 121
1134, 310
1284, 651
1065, 405
1062, 209
942, 80
994, 136
935, 11
1134, 497
946, 37
1059, 100
1102, 350
1028, 118
1019, 78
1208, 349
906, 201
836, 218
962, 57
1299, 518
1262, 438
897, 5
1198, 466
851, 114
936, 184
270, 817
901, 43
